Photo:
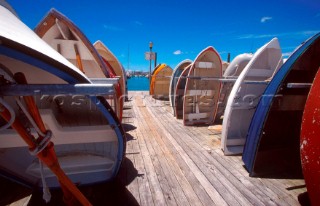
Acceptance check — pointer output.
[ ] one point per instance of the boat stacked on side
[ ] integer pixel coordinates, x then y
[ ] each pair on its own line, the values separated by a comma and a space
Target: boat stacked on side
201, 93
52, 109
245, 95
231, 73
115, 70
160, 82
273, 140
174, 80
66, 38
179, 92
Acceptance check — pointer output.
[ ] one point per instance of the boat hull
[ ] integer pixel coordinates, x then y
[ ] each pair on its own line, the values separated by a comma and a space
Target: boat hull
174, 79
272, 145
201, 95
310, 142
232, 71
179, 93
244, 98
89, 139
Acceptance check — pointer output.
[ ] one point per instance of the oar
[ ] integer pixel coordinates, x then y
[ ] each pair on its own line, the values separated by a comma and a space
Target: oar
79, 62
47, 155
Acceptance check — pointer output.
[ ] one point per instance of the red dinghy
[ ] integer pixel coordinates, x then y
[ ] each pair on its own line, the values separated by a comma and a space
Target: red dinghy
310, 142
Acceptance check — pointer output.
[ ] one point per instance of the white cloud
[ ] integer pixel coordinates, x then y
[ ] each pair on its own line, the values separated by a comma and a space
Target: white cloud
256, 36
307, 33
112, 28
178, 52
138, 23
265, 18
286, 54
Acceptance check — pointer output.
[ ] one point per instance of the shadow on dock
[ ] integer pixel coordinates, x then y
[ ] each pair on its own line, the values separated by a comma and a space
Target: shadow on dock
108, 193
128, 127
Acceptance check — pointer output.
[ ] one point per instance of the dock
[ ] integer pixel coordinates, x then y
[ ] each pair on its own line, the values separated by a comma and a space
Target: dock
168, 163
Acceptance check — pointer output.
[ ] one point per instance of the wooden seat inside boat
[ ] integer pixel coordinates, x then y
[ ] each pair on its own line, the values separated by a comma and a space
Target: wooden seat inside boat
66, 48
205, 65
75, 164
196, 92
63, 134
197, 116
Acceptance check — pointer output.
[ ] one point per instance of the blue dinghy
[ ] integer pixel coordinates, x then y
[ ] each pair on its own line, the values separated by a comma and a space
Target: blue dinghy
272, 145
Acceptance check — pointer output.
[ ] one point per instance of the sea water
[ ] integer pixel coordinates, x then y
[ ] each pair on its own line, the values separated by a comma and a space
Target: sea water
138, 84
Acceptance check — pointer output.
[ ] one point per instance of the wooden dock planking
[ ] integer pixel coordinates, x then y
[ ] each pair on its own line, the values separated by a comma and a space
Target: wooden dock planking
170, 164
131, 173
162, 192
182, 171
210, 170
182, 191
267, 200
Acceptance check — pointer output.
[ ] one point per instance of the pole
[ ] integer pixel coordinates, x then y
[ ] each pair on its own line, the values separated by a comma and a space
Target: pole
150, 47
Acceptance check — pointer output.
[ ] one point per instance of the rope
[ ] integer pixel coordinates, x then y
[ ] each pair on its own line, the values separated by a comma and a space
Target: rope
45, 189
12, 114
25, 111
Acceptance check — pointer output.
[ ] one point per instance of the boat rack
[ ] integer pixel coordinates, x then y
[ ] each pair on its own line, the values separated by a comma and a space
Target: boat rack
54, 89
225, 80
105, 80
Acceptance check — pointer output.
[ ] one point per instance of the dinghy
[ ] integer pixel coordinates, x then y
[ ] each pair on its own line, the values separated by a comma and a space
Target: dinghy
231, 73
225, 65
160, 82
89, 141
66, 38
115, 64
202, 93
174, 79
151, 89
179, 92
310, 142
115, 69
272, 145
245, 96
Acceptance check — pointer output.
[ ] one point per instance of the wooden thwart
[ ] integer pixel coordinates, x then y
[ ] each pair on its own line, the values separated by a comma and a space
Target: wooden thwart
192, 116
200, 92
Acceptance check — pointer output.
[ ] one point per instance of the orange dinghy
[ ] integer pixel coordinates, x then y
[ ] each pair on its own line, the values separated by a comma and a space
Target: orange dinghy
160, 82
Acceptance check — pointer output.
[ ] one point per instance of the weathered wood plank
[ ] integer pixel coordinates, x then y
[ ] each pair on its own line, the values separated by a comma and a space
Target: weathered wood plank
185, 169
131, 172
221, 183
176, 178
144, 188
211, 190
265, 200
154, 172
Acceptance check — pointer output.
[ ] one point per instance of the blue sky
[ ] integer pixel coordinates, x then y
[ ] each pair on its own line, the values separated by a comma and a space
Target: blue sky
180, 29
